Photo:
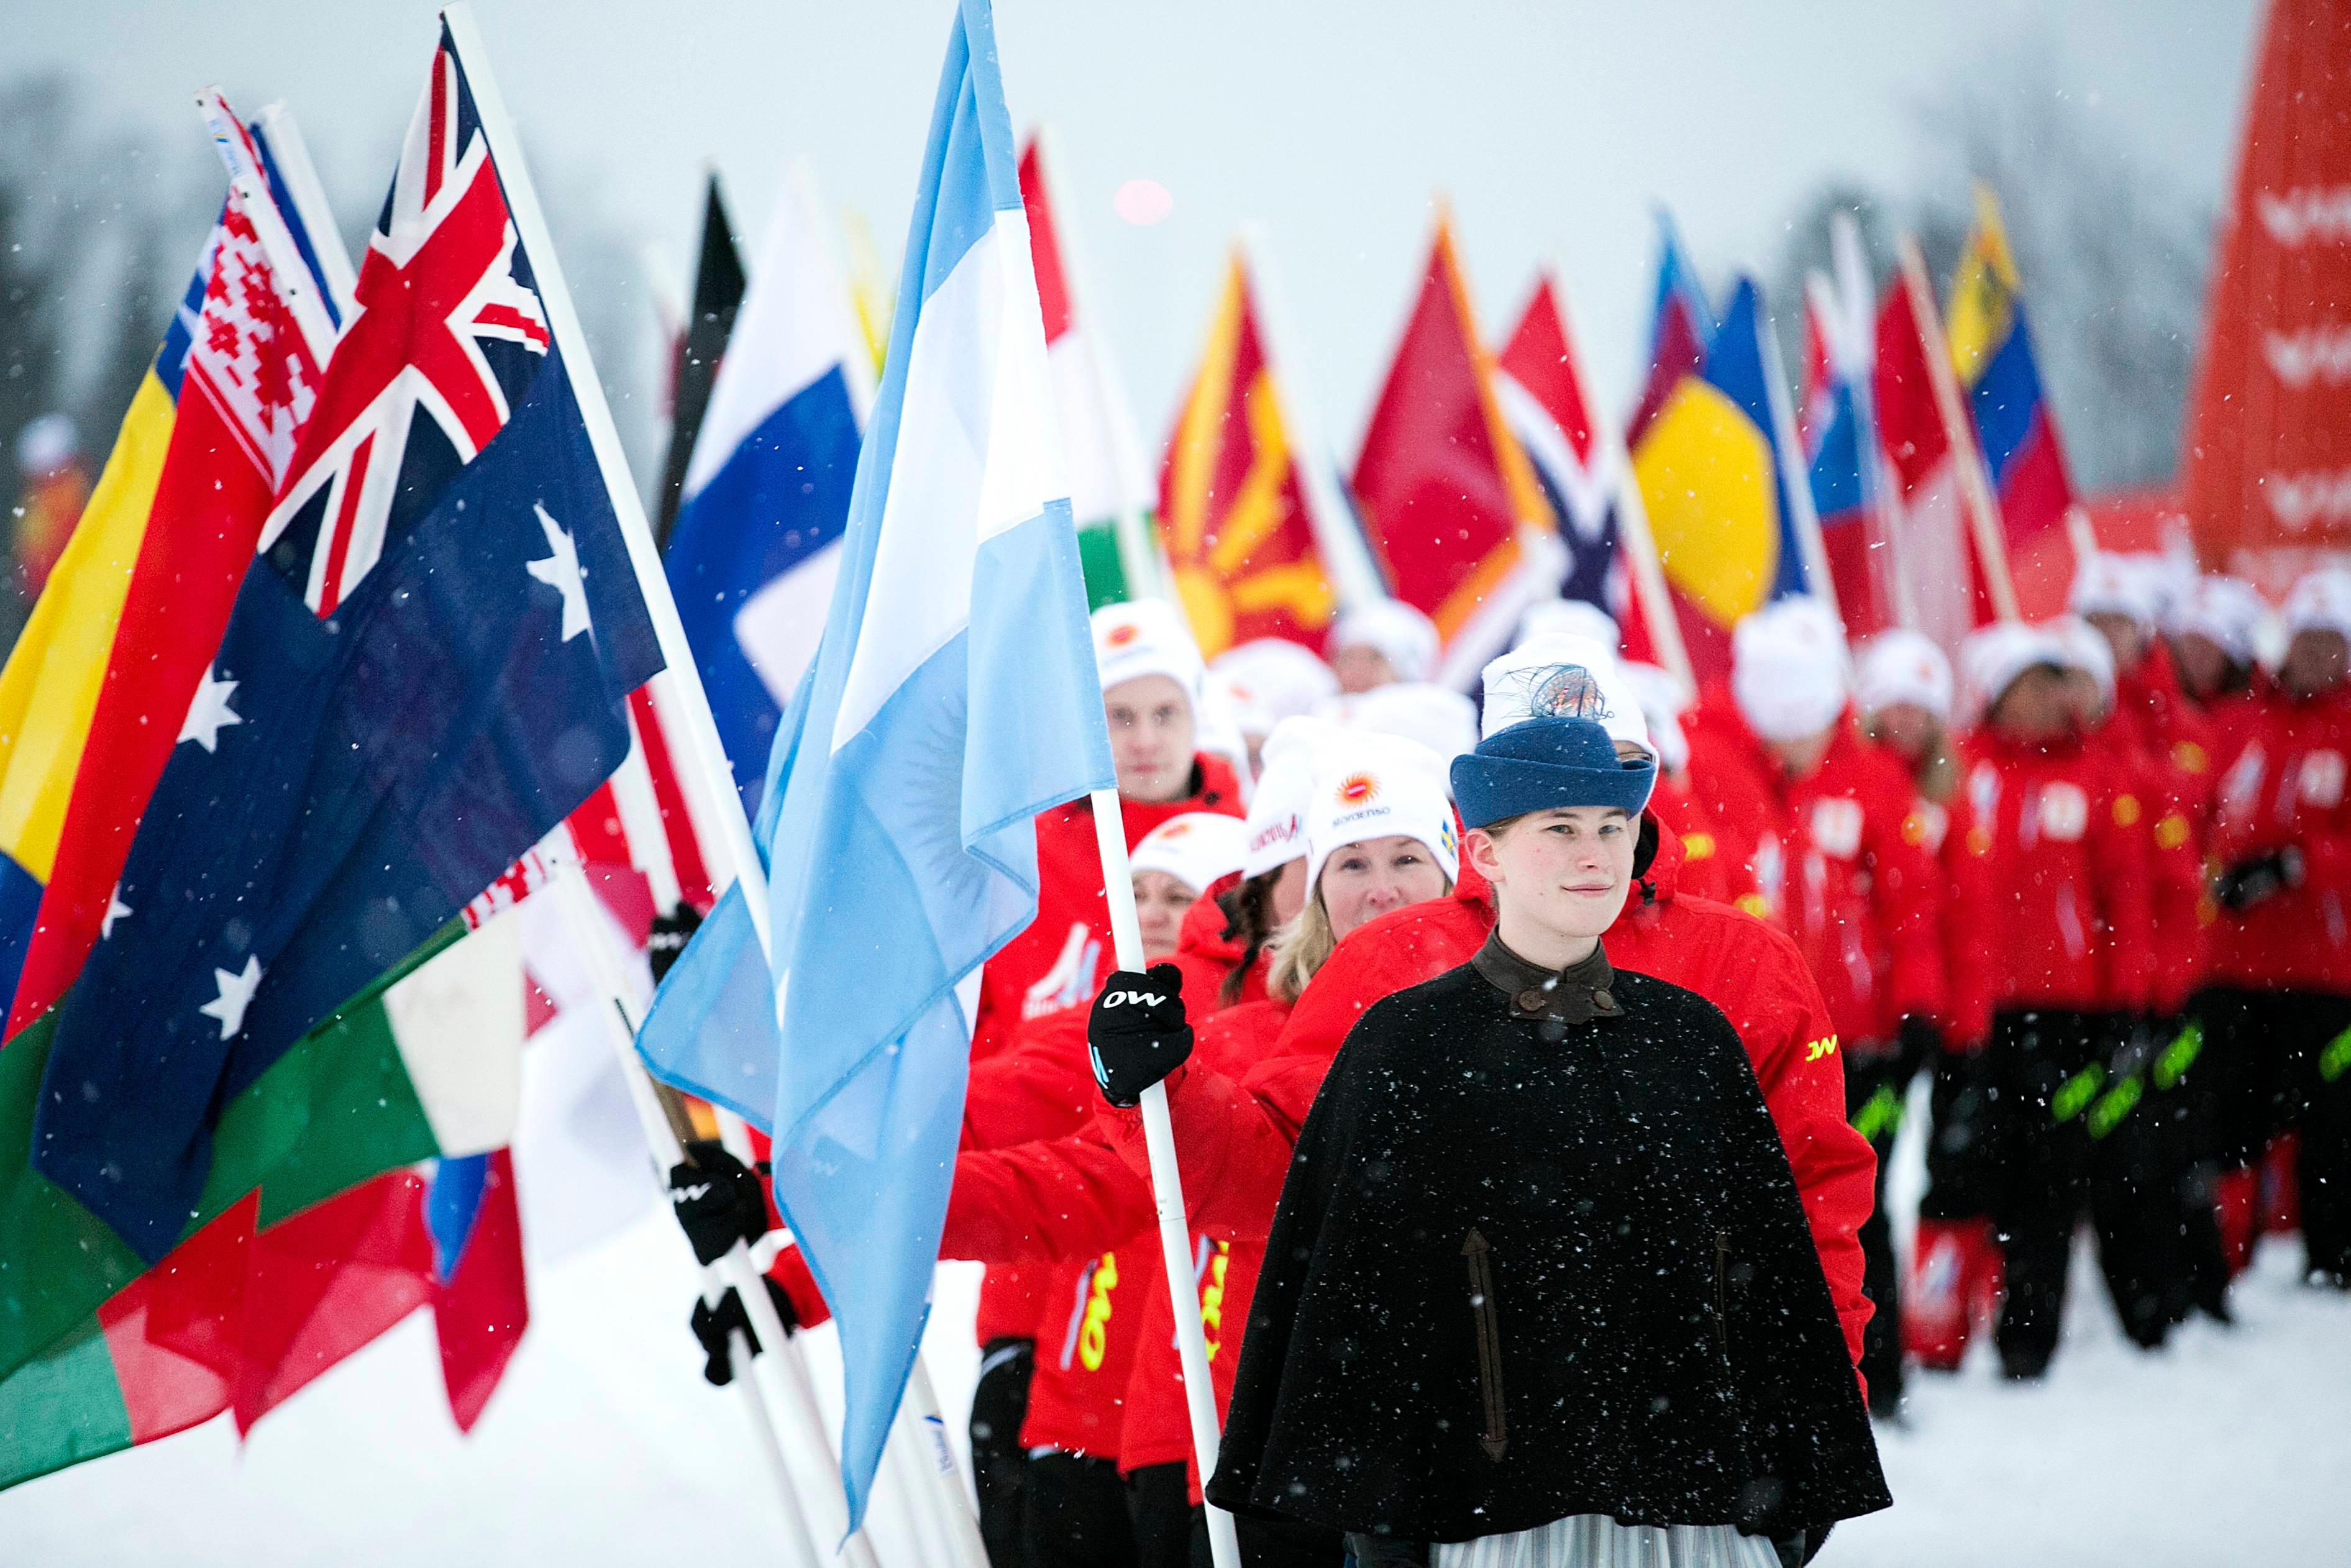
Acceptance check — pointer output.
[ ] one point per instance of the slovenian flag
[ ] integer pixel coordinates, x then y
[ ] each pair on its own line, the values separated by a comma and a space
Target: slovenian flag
953, 698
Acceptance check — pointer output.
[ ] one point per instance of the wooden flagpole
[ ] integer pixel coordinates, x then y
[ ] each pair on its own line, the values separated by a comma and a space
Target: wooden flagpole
710, 773
1958, 430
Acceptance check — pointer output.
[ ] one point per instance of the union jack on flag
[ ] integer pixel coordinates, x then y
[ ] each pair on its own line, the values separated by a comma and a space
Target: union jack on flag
448, 326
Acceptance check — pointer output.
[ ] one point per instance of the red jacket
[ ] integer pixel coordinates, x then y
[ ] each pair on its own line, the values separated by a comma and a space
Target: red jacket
1838, 863
1060, 961
2054, 885
1235, 1134
2177, 747
1705, 873
1205, 955
2286, 788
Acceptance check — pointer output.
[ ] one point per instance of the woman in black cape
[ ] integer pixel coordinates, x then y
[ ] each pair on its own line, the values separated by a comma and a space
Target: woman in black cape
1540, 1292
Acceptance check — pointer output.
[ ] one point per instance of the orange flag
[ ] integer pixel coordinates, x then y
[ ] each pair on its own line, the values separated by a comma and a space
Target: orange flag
1451, 506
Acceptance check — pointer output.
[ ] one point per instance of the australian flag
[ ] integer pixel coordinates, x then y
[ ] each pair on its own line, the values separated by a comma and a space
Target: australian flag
427, 669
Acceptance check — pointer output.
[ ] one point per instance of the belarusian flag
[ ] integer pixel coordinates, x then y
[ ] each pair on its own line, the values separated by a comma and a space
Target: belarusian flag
1110, 487
310, 1239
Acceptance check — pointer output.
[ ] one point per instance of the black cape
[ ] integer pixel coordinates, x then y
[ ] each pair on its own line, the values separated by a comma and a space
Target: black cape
1525, 1267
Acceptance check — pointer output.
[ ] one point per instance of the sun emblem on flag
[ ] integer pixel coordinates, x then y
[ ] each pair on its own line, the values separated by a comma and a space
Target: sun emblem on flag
1358, 789
1568, 691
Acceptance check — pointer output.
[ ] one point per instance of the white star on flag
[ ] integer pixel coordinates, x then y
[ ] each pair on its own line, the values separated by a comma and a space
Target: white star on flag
115, 910
210, 713
235, 995
560, 572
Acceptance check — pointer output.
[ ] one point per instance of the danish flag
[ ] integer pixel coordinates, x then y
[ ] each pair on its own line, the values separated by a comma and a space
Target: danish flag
448, 326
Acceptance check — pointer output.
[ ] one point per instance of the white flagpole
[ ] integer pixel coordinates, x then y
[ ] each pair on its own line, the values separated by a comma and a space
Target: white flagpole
292, 156
1166, 1187
710, 772
1959, 430
570, 890
1796, 477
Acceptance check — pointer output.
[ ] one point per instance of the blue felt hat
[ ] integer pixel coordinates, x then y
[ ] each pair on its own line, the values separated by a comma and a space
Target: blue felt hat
1546, 764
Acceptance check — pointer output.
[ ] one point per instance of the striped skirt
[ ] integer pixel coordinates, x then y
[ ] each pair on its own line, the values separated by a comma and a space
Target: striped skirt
1596, 1540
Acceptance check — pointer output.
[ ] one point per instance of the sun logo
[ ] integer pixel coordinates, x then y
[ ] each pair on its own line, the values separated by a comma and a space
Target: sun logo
1358, 789
1174, 830
1568, 691
1120, 635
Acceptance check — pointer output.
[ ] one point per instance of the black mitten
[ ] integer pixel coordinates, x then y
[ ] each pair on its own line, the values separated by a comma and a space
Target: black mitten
718, 1201
668, 937
2253, 881
1136, 1033
1921, 1043
713, 1325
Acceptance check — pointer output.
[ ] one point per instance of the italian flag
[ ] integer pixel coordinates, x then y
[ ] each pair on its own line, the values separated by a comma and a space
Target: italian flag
311, 1238
1111, 488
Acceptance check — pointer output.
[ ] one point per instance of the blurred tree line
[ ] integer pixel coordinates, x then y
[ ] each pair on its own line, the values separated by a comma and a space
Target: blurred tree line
2113, 254
102, 226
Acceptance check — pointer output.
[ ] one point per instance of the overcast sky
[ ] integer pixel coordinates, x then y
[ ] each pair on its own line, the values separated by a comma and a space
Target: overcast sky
1552, 128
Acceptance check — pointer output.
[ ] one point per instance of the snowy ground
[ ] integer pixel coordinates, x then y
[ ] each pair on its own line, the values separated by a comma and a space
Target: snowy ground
604, 1446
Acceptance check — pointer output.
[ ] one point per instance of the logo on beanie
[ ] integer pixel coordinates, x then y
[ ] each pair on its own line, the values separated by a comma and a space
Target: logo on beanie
1357, 789
1120, 635
1568, 692
1446, 838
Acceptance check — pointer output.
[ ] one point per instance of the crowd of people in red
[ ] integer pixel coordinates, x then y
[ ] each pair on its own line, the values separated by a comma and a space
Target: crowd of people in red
2091, 887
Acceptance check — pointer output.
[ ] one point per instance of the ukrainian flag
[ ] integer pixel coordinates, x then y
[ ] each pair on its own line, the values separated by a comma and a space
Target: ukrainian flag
1991, 349
1717, 498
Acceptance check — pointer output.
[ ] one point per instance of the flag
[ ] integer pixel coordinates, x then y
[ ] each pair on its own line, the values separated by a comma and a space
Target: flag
246, 360
718, 296
2267, 453
1109, 489
1239, 513
1681, 325
1719, 502
426, 668
306, 1245
1450, 505
1840, 460
954, 698
758, 535
1991, 351
1539, 382
1933, 546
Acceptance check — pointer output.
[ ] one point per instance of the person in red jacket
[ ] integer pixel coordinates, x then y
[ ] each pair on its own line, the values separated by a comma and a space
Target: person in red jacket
2055, 885
1235, 1135
2283, 944
1222, 948
1828, 821
1151, 678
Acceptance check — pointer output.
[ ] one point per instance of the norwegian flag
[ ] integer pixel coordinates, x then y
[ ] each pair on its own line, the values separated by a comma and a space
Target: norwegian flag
448, 336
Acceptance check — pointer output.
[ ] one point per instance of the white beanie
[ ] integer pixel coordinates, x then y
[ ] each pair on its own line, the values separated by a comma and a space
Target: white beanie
2085, 648
2227, 612
1570, 617
1198, 849
1993, 656
2321, 602
1401, 634
1436, 716
46, 444
1297, 752
1662, 698
1218, 729
1147, 637
1904, 666
2107, 584
1278, 675
1389, 787
1789, 673
1555, 676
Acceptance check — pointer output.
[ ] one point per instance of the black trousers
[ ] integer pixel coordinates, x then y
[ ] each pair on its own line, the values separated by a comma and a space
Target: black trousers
2180, 1111
1962, 1153
999, 1466
1159, 1506
2037, 1063
2284, 1061
1076, 1515
1877, 1084
1273, 1543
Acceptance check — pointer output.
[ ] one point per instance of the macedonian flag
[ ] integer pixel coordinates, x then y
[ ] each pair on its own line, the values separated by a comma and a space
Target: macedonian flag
1240, 507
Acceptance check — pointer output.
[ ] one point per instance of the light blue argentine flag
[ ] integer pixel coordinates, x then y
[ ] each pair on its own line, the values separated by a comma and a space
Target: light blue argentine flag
953, 698
758, 544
